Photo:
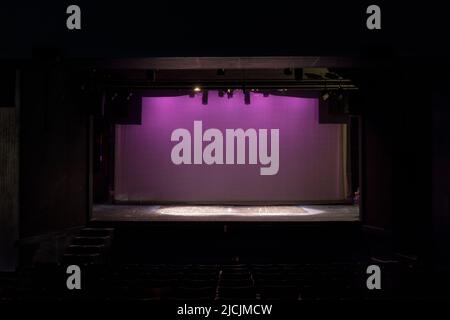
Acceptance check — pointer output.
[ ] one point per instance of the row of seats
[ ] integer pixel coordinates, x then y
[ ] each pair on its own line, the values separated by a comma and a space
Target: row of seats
202, 282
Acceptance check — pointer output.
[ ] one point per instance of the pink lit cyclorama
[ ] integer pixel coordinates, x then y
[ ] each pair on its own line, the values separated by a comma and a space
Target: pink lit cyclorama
185, 151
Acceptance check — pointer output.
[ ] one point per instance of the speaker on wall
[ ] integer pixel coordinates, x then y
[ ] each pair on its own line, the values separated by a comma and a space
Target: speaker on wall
333, 110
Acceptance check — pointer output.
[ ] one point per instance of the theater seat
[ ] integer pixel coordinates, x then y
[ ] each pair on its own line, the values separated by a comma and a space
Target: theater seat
83, 258
235, 282
201, 293
279, 292
199, 283
235, 275
236, 293
79, 240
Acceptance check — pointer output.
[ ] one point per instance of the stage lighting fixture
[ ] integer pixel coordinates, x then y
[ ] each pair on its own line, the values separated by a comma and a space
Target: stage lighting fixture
229, 93
298, 74
325, 95
340, 94
151, 75
205, 97
246, 97
288, 71
197, 89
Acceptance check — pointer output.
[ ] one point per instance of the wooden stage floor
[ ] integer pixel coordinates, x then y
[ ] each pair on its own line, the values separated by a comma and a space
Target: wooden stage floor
219, 213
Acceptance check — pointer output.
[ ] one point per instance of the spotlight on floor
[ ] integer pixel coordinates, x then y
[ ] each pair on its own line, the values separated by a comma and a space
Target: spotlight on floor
205, 97
246, 97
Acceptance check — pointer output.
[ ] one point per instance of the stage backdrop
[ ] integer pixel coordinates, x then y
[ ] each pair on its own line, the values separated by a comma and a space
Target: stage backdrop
155, 162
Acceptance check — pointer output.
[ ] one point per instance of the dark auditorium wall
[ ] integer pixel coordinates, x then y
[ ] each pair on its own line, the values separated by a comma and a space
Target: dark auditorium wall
412, 156
397, 157
54, 159
441, 173
377, 164
376, 189
9, 170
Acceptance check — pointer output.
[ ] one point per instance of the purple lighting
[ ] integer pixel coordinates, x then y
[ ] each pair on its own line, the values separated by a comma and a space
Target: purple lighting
311, 163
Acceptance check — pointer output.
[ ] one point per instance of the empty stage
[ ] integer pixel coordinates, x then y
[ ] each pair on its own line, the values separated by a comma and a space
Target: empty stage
290, 213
